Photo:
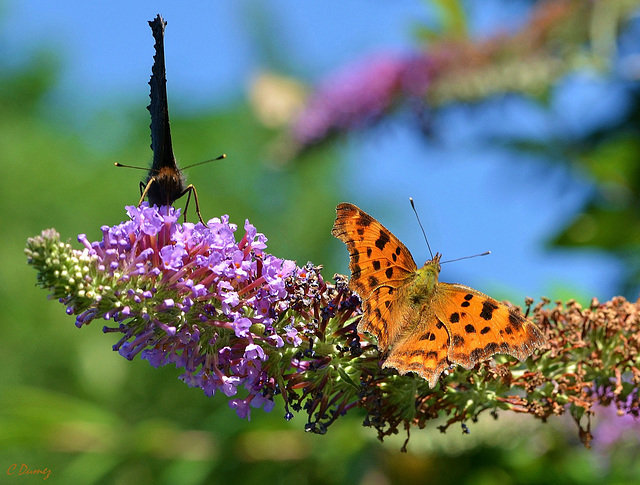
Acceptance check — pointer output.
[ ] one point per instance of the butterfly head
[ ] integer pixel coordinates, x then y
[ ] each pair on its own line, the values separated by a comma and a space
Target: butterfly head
433, 265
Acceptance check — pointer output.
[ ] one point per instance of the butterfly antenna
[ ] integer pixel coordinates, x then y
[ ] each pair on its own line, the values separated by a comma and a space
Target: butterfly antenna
147, 169
467, 257
224, 155
420, 224
117, 164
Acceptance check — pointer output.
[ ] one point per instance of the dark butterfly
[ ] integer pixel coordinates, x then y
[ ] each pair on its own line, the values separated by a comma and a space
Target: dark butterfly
165, 183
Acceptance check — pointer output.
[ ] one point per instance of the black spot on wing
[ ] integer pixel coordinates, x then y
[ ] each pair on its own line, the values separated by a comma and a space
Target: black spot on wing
412, 353
516, 320
469, 328
454, 317
487, 351
373, 281
380, 331
485, 330
476, 354
364, 220
428, 336
376, 265
382, 241
488, 307
389, 272
458, 340
355, 272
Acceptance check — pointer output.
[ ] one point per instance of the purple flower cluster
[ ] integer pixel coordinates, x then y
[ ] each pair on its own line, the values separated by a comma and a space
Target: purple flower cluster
361, 94
192, 296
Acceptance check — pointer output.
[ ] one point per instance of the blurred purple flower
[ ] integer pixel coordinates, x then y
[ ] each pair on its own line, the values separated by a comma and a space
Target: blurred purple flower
361, 94
614, 426
618, 414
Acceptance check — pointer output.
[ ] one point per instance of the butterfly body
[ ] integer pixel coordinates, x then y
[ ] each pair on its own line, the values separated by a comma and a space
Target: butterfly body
423, 282
423, 325
166, 185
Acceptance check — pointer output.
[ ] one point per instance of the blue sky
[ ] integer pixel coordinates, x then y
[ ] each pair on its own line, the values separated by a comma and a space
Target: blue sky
471, 198
105, 48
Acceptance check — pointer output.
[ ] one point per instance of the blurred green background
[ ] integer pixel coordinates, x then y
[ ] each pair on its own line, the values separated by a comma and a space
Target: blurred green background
70, 404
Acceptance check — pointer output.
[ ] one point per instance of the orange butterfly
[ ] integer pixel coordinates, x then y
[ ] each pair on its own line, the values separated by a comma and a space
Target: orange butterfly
423, 325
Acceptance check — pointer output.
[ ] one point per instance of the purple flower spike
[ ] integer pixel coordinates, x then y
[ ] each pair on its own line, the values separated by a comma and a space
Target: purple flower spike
351, 98
361, 94
186, 294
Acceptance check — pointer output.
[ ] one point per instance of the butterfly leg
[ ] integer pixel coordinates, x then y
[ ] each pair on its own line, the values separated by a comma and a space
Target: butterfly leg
191, 188
144, 189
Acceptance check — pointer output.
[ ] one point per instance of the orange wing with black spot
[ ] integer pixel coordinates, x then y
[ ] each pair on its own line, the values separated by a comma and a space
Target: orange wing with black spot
380, 265
460, 325
424, 350
481, 326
